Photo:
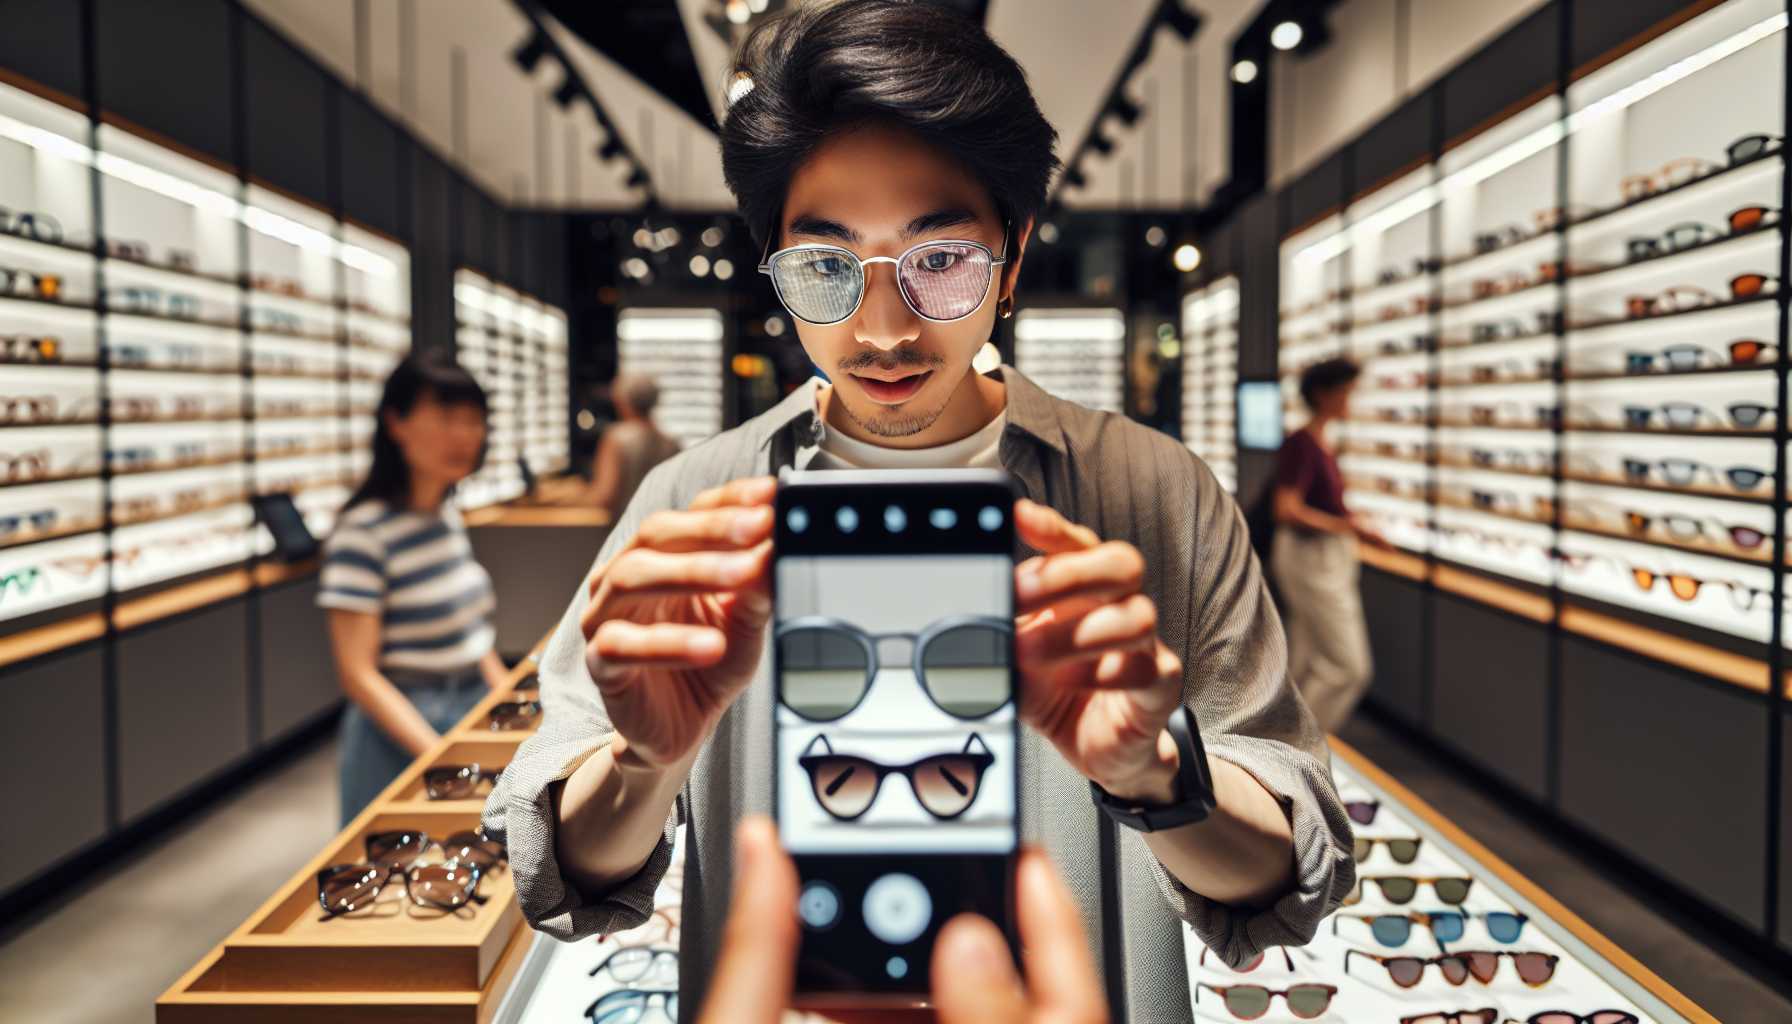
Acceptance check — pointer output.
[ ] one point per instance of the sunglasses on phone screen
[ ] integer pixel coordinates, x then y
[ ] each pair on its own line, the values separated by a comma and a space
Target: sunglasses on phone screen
826, 665
945, 785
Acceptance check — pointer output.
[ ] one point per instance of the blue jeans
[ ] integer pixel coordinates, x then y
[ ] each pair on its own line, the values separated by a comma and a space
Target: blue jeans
370, 760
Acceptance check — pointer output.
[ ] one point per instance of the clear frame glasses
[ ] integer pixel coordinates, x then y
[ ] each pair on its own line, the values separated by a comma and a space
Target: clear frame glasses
941, 280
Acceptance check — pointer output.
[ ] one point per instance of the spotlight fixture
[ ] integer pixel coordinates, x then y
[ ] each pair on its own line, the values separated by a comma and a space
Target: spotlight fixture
1244, 72
724, 269
1073, 177
568, 91
1187, 257
1126, 110
610, 150
1286, 35
1185, 22
637, 178
1101, 143
1048, 233
1155, 236
530, 52
700, 265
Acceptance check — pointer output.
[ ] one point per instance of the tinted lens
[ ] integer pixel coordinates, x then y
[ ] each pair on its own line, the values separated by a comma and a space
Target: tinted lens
1446, 926
1744, 478
1398, 890
821, 286
824, 672
515, 715
966, 669
449, 783
1247, 1002
1747, 218
1612, 1017
1405, 970
1405, 851
1637, 416
350, 887
946, 280
1482, 965
1747, 148
1681, 415
1684, 587
1308, 1001
1360, 848
1636, 521
1391, 929
1746, 537
1454, 969
623, 1007
1535, 968
1555, 1017
1504, 927
443, 885
475, 849
1747, 414
1361, 811
947, 785
1636, 469
1683, 357
1452, 890
396, 849
1747, 286
1748, 351
844, 786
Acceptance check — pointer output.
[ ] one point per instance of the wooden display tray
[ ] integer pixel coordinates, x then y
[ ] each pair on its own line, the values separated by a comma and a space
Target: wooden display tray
394, 965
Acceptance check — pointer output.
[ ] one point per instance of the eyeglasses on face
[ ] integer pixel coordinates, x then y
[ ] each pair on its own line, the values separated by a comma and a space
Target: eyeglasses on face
1446, 925
515, 714
632, 963
945, 785
40, 227
457, 781
941, 280
1249, 1002
1254, 962
1405, 851
18, 348
628, 1005
345, 888
1400, 889
826, 665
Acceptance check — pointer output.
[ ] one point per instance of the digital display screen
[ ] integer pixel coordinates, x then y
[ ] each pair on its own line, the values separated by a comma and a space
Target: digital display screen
1260, 415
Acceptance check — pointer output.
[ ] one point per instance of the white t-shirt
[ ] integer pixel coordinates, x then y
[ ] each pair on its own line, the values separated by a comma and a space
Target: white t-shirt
980, 450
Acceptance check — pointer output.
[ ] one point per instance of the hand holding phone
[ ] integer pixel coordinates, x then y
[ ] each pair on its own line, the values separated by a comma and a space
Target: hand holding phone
676, 621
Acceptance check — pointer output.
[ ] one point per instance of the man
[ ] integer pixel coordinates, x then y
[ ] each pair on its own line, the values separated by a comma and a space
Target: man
876, 126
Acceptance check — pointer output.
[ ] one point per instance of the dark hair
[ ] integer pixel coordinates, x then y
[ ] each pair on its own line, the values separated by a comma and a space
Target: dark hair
823, 67
416, 376
1324, 377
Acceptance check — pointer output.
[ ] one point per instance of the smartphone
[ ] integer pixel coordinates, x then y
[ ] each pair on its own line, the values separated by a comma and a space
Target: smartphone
895, 731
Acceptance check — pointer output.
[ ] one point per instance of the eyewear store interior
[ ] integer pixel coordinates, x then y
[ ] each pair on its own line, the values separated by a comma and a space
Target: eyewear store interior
1565, 291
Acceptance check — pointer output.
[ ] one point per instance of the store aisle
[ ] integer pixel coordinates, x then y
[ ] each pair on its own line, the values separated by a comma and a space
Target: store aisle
105, 956
1699, 964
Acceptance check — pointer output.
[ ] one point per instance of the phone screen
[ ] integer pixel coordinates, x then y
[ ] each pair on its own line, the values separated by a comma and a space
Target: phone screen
895, 719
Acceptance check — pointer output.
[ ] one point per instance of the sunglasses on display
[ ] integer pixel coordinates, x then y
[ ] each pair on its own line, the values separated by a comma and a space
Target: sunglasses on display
1683, 358
457, 781
828, 665
940, 281
27, 408
1483, 537
345, 888
1406, 971
1485, 1015
1686, 472
1751, 147
26, 284
1693, 233
1249, 1002
39, 227
136, 252
1689, 415
20, 581
515, 714
1405, 851
24, 466
276, 320
1512, 459
628, 1005
1499, 238
1682, 298
1254, 962
18, 348
1401, 889
1570, 1017
632, 963
1446, 925
277, 285
1488, 287
137, 299
1362, 811
1690, 528
405, 847
1673, 174
1687, 588
945, 785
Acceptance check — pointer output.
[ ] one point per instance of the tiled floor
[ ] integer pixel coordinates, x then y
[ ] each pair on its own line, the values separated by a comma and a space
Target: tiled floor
104, 956
1680, 953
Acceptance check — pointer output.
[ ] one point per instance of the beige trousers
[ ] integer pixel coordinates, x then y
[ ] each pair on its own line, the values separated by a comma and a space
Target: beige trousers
1322, 607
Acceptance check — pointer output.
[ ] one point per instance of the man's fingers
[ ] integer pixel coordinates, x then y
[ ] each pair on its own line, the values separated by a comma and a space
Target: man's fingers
1041, 528
644, 572
1110, 570
716, 529
1055, 638
757, 964
750, 490
1060, 973
973, 977
620, 645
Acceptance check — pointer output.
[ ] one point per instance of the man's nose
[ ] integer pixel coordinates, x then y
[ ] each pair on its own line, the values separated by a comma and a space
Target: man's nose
884, 320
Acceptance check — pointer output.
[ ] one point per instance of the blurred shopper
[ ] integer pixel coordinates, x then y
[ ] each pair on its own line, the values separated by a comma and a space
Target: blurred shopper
410, 611
1315, 560
630, 447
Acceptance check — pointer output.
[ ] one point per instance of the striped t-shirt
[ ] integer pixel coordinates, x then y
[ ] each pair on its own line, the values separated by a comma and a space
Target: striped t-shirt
416, 572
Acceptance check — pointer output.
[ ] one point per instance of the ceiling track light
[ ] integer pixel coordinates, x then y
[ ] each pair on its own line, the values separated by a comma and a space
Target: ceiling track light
569, 90
1185, 22
1101, 144
1126, 110
610, 150
1244, 72
637, 178
530, 52
1286, 35
1073, 177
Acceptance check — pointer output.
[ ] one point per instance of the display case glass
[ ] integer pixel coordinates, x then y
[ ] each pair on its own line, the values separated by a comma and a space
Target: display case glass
515, 346
1075, 354
1210, 375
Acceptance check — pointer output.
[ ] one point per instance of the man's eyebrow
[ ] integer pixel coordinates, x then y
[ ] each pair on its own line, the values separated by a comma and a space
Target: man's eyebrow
820, 227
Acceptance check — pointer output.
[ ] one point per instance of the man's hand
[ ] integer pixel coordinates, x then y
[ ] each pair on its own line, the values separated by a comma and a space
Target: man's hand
676, 620
973, 977
1095, 679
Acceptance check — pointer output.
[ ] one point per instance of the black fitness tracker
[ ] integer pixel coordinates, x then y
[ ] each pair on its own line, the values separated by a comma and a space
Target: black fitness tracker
1194, 785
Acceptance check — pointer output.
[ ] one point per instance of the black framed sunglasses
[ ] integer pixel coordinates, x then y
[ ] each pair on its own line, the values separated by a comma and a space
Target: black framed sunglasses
941, 280
1749, 147
945, 785
457, 781
39, 227
1400, 889
826, 665
632, 963
515, 714
1687, 472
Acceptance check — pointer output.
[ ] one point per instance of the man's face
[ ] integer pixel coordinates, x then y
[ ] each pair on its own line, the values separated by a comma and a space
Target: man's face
877, 191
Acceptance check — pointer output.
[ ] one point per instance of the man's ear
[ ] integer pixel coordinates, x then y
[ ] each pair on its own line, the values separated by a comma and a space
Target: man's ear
1011, 269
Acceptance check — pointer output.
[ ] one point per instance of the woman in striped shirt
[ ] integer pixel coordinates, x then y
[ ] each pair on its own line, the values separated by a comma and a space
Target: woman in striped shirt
410, 610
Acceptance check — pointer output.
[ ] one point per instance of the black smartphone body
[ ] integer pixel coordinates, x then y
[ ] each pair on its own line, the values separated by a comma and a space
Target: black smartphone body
293, 541
895, 728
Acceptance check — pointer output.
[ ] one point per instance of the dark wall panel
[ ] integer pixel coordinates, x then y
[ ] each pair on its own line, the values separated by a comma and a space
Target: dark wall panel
1602, 26
470, 251
1395, 609
367, 158
1316, 193
1671, 768
1490, 691
287, 120
1395, 144
53, 749
182, 704
496, 236
166, 66
432, 267
1512, 68
41, 39
1259, 284
298, 680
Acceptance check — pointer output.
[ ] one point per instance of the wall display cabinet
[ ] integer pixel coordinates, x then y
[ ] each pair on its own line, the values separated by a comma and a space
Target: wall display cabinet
515, 345
1210, 377
172, 340
681, 349
1075, 354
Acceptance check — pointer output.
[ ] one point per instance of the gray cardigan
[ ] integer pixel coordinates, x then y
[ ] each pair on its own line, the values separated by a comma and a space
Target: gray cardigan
1123, 480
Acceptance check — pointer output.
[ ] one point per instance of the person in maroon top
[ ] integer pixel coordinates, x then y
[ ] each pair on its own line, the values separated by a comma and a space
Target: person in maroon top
1314, 558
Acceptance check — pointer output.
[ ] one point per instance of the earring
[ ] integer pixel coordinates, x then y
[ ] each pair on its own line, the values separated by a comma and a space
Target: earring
1005, 307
